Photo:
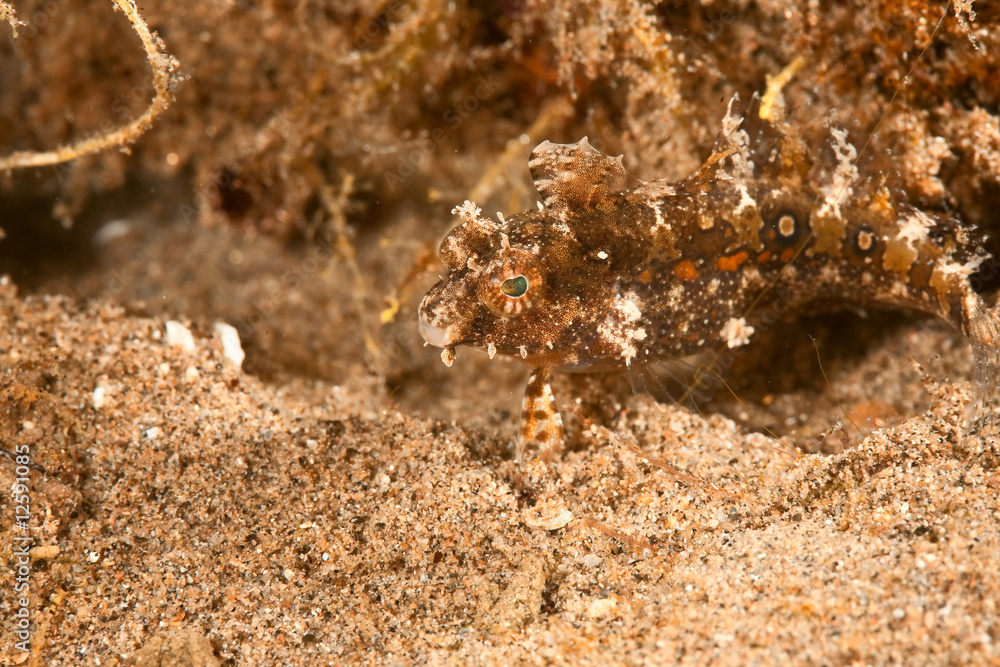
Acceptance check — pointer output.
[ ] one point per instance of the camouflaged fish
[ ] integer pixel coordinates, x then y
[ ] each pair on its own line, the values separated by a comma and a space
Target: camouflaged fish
614, 271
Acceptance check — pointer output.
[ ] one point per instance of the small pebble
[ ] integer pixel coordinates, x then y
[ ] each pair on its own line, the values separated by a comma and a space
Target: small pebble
180, 336
232, 349
44, 552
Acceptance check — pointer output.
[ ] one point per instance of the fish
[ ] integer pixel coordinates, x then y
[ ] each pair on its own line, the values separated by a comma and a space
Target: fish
610, 271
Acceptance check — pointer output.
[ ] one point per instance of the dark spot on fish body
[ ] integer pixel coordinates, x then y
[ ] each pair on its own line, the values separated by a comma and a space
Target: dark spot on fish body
782, 233
786, 229
864, 240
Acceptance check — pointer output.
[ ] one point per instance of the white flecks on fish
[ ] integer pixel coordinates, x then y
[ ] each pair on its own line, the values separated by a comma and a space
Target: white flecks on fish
736, 332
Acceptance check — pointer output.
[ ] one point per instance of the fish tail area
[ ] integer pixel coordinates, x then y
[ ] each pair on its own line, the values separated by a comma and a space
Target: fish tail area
982, 433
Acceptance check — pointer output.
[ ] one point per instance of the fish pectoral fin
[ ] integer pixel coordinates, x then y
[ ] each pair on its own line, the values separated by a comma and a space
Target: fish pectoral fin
541, 422
982, 326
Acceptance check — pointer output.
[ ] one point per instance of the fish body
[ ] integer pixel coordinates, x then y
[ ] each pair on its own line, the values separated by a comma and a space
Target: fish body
612, 271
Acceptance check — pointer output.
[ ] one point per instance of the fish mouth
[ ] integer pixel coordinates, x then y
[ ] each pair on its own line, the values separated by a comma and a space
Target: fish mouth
437, 336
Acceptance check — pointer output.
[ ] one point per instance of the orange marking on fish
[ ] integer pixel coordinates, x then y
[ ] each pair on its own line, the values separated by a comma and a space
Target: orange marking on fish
685, 270
732, 262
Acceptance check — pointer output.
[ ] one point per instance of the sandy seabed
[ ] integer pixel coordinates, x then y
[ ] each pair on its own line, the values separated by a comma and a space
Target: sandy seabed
204, 516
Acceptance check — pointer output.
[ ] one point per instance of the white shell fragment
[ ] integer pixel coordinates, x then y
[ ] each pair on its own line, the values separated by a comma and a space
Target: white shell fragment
99, 397
110, 231
547, 515
44, 552
601, 607
180, 336
230, 339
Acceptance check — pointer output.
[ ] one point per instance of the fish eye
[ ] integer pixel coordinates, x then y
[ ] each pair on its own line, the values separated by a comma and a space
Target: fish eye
512, 284
514, 287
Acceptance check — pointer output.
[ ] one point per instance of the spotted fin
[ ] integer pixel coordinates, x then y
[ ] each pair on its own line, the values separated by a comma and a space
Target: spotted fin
541, 423
571, 177
983, 427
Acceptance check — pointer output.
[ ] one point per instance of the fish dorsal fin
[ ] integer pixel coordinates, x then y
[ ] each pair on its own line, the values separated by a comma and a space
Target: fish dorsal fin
574, 176
730, 141
710, 172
